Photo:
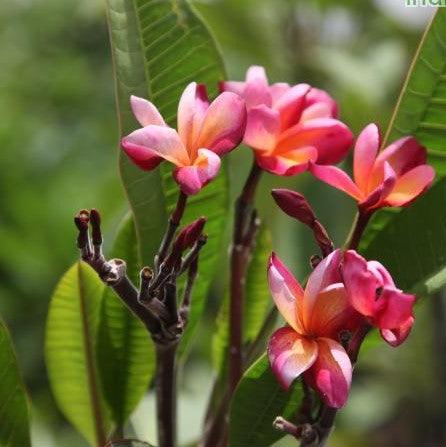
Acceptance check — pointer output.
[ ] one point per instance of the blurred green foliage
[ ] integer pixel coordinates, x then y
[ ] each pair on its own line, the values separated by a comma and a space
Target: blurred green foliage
58, 136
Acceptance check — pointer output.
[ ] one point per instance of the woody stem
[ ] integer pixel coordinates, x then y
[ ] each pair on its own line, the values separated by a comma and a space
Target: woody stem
240, 255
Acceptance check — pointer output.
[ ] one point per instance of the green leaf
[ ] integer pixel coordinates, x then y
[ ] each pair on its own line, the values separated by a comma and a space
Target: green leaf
256, 304
258, 400
125, 352
411, 242
413, 245
14, 411
128, 443
158, 47
70, 351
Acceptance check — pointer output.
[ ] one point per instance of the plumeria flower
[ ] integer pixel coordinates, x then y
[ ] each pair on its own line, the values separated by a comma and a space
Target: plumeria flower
289, 126
394, 177
316, 318
206, 132
373, 293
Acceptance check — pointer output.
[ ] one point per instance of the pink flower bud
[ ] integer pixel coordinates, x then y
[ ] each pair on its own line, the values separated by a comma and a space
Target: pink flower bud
295, 205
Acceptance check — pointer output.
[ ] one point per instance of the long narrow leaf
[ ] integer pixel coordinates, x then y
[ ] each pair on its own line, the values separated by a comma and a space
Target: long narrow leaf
412, 242
257, 402
125, 352
14, 412
159, 47
70, 352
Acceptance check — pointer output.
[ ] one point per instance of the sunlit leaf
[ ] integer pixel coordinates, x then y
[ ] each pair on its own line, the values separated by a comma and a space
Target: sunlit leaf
257, 402
125, 351
412, 242
159, 47
70, 351
14, 412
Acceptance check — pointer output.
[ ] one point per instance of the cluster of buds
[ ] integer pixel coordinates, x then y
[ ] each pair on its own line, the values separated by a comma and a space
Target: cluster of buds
155, 302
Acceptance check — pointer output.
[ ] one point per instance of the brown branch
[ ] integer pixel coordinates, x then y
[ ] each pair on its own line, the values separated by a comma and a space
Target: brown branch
245, 224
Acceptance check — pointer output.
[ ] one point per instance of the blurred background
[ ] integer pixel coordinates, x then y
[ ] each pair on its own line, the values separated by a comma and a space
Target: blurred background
58, 139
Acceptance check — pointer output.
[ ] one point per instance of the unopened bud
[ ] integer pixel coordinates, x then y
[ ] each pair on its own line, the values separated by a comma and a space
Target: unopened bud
190, 234
295, 205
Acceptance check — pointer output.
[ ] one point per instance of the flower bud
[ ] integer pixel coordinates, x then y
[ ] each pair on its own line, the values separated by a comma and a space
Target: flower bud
295, 205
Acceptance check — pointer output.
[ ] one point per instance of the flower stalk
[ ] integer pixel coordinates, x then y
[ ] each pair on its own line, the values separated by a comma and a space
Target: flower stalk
245, 226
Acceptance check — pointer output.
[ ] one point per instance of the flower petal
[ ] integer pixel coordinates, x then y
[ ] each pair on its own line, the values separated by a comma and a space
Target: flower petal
409, 186
286, 292
332, 313
290, 355
236, 87
395, 310
330, 137
262, 128
145, 112
364, 155
290, 105
193, 178
337, 178
331, 373
318, 98
376, 198
191, 111
394, 337
403, 155
288, 163
326, 273
142, 156
223, 124
256, 88
360, 283
277, 90
156, 140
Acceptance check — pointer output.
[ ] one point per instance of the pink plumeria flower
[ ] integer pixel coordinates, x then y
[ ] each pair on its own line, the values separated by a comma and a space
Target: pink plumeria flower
316, 319
394, 177
373, 293
206, 132
290, 126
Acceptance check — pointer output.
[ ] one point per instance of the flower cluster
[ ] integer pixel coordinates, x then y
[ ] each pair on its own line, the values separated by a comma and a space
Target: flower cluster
292, 129
343, 293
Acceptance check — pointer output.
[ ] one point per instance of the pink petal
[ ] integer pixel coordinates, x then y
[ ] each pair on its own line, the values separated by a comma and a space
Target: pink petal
396, 308
330, 137
286, 292
191, 111
337, 178
290, 105
403, 155
290, 355
223, 125
236, 87
360, 283
317, 97
277, 90
145, 112
376, 198
381, 273
366, 149
193, 178
332, 313
394, 337
256, 88
288, 163
156, 140
331, 373
143, 157
411, 185
262, 128
325, 274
